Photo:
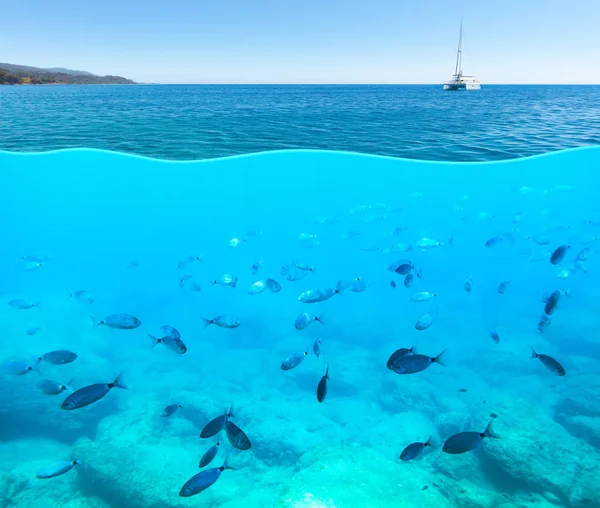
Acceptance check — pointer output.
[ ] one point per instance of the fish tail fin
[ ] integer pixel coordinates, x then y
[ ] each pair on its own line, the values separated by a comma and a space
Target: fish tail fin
69, 384
490, 432
413, 349
206, 322
533, 353
231, 412
76, 461
321, 318
428, 442
155, 340
95, 322
234, 284
227, 465
119, 383
327, 372
39, 360
440, 358
38, 304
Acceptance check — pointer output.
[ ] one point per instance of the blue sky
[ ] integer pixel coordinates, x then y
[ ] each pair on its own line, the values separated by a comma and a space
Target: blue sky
307, 41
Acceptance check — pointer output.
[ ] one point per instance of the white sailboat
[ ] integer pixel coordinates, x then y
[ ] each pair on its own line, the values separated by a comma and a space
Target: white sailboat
459, 81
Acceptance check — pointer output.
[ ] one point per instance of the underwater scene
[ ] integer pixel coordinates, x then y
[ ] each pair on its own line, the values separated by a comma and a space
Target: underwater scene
299, 329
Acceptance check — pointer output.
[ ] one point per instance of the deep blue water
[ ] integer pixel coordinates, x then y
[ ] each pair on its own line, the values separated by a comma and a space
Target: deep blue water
122, 228
199, 122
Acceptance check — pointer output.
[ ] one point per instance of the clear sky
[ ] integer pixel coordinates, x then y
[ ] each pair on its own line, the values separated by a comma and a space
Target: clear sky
307, 41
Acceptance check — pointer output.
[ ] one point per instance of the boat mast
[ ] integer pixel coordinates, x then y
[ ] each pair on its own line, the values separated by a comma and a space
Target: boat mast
458, 68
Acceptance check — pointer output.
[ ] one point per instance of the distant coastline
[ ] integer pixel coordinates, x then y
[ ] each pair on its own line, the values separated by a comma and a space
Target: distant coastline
11, 74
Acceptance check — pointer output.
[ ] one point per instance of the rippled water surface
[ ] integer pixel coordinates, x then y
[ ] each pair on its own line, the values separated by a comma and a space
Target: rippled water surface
197, 122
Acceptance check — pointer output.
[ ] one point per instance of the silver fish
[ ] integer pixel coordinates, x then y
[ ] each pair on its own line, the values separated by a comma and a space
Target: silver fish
118, 321
426, 320
57, 469
294, 360
21, 304
317, 295
226, 280
422, 296
306, 319
224, 321
82, 296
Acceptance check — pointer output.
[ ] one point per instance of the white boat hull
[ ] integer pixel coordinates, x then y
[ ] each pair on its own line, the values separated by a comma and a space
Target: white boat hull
461, 86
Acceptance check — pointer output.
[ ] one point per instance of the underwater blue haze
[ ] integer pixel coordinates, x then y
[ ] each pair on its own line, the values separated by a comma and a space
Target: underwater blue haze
189, 279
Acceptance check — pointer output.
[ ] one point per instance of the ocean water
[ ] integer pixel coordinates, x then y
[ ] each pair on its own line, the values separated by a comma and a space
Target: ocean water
123, 229
199, 122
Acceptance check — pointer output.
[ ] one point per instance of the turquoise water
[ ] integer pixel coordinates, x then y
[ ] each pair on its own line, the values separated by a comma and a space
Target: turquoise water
118, 226
199, 122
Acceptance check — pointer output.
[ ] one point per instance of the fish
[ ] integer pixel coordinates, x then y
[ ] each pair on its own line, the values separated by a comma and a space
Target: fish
257, 287
118, 321
317, 347
427, 243
294, 360
90, 394
426, 320
16, 368
170, 410
303, 266
187, 282
202, 480
20, 304
50, 387
224, 321
273, 285
217, 424
327, 221
295, 276
411, 279
413, 450
494, 242
32, 330
133, 264
422, 296
411, 364
235, 241
396, 355
550, 363
356, 285
171, 342
502, 286
493, 415
317, 295
170, 331
58, 357
57, 469
236, 436
518, 217
209, 455
306, 319
401, 267
31, 266
462, 390
559, 254
226, 280
322, 386
466, 441
392, 284
552, 302
543, 323
190, 259
256, 266
493, 333
82, 296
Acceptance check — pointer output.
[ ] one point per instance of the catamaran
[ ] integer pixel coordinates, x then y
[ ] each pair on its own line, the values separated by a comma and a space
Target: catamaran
459, 81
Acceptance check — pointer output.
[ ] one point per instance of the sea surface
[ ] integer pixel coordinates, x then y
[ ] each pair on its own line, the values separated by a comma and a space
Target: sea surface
498, 258
201, 122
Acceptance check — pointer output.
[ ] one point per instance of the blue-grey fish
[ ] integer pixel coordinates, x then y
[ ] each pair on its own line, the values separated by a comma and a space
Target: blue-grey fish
356, 285
21, 304
411, 279
467, 441
552, 302
186, 281
493, 333
427, 243
236, 436
209, 455
189, 259
306, 319
584, 254
422, 296
413, 450
82, 296
494, 242
16, 368
217, 424
118, 321
224, 321
411, 364
317, 347
273, 285
322, 386
294, 360
171, 342
396, 355
317, 295
57, 469
393, 284
226, 280
401, 267
32, 330
58, 357
426, 320
31, 266
256, 266
202, 480
550, 363
303, 266
51, 387
468, 285
257, 287
170, 410
559, 254
543, 323
295, 275
90, 394
502, 286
